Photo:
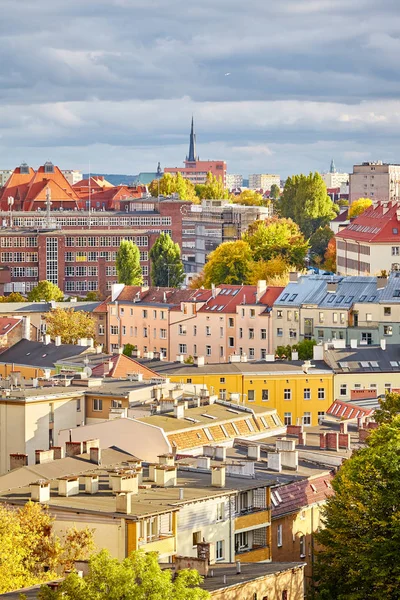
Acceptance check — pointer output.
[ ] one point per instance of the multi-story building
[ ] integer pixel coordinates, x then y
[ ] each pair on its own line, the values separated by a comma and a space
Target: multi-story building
195, 169
5, 174
333, 179
376, 180
371, 242
234, 181
263, 181
72, 175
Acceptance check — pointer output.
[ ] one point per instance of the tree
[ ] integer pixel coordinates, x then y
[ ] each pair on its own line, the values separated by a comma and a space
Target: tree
250, 198
70, 324
30, 553
359, 206
212, 189
166, 265
47, 291
13, 297
319, 241
389, 408
275, 271
305, 200
128, 349
229, 263
305, 349
360, 540
275, 192
170, 184
128, 264
330, 256
92, 296
277, 237
138, 577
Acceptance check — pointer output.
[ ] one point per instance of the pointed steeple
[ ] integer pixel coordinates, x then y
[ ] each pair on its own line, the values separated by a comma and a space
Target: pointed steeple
332, 167
192, 145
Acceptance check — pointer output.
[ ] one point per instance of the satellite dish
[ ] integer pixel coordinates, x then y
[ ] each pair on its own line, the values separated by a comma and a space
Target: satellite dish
88, 371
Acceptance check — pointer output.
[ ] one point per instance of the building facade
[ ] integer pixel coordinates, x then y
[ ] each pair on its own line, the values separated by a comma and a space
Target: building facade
263, 181
376, 180
234, 181
5, 174
72, 175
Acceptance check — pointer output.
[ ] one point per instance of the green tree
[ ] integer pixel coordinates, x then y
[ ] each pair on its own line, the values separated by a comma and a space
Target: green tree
275, 271
166, 264
128, 264
359, 206
47, 291
250, 198
388, 409
138, 577
360, 540
229, 263
30, 553
306, 202
212, 189
70, 324
277, 238
173, 184
128, 349
92, 296
319, 241
13, 297
305, 349
275, 192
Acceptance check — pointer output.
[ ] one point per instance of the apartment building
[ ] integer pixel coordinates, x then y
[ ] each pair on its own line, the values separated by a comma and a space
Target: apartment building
263, 181
5, 174
376, 180
72, 175
234, 181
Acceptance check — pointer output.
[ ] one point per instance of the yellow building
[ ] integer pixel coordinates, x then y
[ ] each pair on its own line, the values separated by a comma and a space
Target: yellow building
298, 396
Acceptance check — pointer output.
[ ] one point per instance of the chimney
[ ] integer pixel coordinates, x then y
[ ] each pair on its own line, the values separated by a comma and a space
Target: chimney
88, 444
165, 476
99, 349
293, 276
213, 291
381, 282
40, 491
73, 448
181, 493
218, 474
220, 453
43, 456
353, 343
26, 328
47, 339
318, 352
58, 452
331, 287
199, 361
261, 289
68, 486
180, 358
203, 462
179, 411
238, 567
18, 460
120, 350
57, 340
95, 455
254, 452
295, 355
91, 483
383, 344
166, 459
124, 503
124, 482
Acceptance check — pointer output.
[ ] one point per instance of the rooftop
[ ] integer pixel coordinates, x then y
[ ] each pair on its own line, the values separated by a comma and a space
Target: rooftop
38, 354
377, 224
364, 359
226, 576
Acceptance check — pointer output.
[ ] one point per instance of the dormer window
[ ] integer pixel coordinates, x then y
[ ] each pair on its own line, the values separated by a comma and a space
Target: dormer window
48, 167
24, 169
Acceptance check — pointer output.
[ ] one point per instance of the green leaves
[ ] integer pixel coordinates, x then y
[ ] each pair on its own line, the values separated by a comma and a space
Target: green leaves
166, 265
47, 291
70, 324
128, 264
230, 263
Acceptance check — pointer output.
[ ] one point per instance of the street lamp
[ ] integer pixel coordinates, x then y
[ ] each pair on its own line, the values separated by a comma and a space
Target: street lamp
10, 202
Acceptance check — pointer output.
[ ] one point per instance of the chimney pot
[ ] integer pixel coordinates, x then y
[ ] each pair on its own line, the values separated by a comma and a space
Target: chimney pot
218, 475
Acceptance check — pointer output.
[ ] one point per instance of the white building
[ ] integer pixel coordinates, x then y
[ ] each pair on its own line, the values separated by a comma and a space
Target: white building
263, 181
72, 176
376, 180
335, 180
4, 176
234, 181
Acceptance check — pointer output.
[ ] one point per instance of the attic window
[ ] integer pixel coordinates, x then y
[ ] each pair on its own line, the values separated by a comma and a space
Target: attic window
396, 294
314, 489
24, 169
331, 299
340, 299
293, 297
235, 292
362, 298
395, 230
372, 298
284, 297
48, 167
327, 483
349, 299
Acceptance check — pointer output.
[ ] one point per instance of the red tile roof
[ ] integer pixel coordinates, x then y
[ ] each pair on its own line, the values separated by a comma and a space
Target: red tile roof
377, 224
346, 410
343, 216
121, 366
231, 296
151, 295
297, 495
7, 323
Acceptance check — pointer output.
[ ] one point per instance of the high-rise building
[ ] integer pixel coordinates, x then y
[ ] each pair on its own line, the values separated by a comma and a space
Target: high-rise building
5, 174
234, 181
72, 176
263, 181
195, 169
376, 180
333, 179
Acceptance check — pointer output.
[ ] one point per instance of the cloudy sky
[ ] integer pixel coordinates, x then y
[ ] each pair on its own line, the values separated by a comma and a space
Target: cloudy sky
115, 83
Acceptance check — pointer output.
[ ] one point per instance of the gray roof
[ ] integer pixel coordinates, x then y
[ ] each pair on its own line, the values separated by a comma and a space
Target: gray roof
364, 359
249, 572
38, 354
39, 307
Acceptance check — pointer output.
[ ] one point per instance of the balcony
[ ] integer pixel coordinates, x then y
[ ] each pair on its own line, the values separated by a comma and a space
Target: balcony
252, 517
254, 554
164, 544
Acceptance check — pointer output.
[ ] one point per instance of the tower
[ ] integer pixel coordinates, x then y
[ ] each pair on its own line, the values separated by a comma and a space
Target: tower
332, 167
192, 145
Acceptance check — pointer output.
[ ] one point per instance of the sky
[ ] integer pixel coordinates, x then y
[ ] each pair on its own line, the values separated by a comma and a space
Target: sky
275, 86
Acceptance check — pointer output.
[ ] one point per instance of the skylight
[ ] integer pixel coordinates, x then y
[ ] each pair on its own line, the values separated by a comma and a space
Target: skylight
362, 298
293, 297
284, 297
349, 299
340, 299
235, 292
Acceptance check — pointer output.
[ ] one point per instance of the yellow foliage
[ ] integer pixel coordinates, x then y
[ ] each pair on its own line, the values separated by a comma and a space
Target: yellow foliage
359, 206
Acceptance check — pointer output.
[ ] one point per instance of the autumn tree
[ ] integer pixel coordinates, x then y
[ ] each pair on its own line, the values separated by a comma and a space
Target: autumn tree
166, 264
306, 202
13, 297
128, 264
274, 271
138, 577
330, 256
389, 407
360, 538
229, 263
275, 192
212, 189
170, 184
70, 324
319, 241
249, 198
30, 552
45, 291
359, 206
277, 238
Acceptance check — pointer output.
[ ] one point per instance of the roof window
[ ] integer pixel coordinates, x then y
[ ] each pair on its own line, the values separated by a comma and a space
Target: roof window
284, 297
48, 167
24, 169
293, 297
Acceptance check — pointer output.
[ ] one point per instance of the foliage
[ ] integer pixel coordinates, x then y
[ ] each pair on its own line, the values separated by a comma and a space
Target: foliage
275, 272
277, 237
128, 349
30, 553
189, 360
342, 202
166, 264
70, 324
275, 192
92, 296
330, 256
128, 264
361, 537
388, 409
229, 263
138, 577
250, 198
13, 297
319, 241
305, 349
47, 291
359, 206
170, 184
197, 282
284, 352
212, 189
306, 202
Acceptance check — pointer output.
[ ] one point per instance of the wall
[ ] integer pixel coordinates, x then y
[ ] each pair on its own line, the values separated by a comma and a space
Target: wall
380, 257
12, 430
364, 379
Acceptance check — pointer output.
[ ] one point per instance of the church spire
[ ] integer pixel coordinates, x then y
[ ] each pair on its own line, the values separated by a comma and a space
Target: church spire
192, 145
332, 168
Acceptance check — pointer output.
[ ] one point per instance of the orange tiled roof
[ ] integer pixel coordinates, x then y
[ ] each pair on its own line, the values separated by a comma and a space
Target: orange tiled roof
7, 323
122, 366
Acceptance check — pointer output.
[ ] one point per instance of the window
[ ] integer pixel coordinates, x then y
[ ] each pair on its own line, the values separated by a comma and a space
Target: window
279, 332
208, 330
321, 393
387, 330
279, 536
251, 334
194, 329
292, 333
231, 322
163, 334
307, 394
263, 334
321, 317
196, 536
182, 349
231, 342
208, 350
221, 332
251, 396
388, 387
395, 250
302, 546
320, 334
222, 380
279, 314
387, 311
287, 418
335, 317
222, 393
343, 389
251, 353
240, 332
220, 511
144, 314
289, 315
287, 394
114, 330
265, 395
366, 337
219, 550
78, 405
307, 418
97, 404
182, 329
321, 414
343, 318
252, 313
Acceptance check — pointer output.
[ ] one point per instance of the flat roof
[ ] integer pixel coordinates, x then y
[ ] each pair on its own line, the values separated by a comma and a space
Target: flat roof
292, 367
249, 572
